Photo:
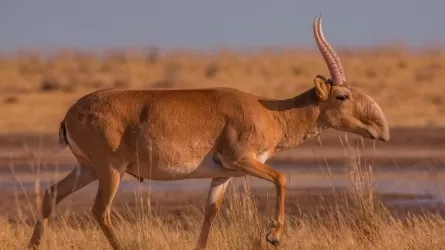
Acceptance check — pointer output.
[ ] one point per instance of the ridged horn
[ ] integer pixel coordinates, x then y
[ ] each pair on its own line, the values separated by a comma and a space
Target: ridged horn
331, 58
331, 50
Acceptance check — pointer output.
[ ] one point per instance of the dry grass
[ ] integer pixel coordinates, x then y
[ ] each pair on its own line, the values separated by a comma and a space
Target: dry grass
352, 226
41, 85
356, 219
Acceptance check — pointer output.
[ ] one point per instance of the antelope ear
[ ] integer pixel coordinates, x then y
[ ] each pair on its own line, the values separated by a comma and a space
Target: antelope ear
322, 87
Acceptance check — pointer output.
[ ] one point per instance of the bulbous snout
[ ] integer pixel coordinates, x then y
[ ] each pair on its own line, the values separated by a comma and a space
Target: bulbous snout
362, 116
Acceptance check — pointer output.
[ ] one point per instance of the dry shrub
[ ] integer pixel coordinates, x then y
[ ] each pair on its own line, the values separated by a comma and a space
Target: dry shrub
11, 100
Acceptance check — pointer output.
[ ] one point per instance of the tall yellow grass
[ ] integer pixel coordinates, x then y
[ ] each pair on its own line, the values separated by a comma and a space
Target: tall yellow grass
356, 219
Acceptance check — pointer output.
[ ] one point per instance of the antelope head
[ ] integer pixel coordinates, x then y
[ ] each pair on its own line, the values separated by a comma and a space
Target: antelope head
343, 107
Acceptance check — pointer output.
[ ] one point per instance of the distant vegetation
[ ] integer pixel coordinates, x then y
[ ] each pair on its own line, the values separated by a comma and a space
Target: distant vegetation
407, 84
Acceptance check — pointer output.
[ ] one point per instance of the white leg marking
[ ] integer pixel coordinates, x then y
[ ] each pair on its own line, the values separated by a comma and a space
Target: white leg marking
217, 188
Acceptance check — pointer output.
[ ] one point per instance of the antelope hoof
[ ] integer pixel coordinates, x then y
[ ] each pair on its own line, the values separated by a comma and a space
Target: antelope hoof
273, 239
33, 247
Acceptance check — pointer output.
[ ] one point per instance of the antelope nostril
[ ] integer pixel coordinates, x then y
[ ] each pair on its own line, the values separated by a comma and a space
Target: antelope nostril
370, 135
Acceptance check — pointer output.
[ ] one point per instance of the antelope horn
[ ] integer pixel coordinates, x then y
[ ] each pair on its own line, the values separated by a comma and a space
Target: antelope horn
332, 52
324, 50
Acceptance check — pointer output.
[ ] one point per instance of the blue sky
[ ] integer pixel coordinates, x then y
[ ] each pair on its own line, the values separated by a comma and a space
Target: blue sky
101, 24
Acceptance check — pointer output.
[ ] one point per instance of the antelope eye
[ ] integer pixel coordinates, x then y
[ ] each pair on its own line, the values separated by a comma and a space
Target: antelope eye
342, 97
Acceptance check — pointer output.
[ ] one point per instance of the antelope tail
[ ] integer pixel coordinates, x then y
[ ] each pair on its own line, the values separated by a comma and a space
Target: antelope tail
63, 142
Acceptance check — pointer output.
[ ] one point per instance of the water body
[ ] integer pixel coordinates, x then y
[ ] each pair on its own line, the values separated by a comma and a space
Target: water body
413, 182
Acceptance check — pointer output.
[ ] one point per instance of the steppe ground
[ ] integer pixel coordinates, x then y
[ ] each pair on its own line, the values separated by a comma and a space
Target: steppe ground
36, 88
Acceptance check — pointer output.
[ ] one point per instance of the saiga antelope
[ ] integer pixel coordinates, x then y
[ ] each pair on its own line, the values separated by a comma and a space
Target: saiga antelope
215, 133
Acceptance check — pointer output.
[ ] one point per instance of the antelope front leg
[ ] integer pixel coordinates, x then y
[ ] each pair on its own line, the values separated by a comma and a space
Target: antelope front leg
253, 167
215, 197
